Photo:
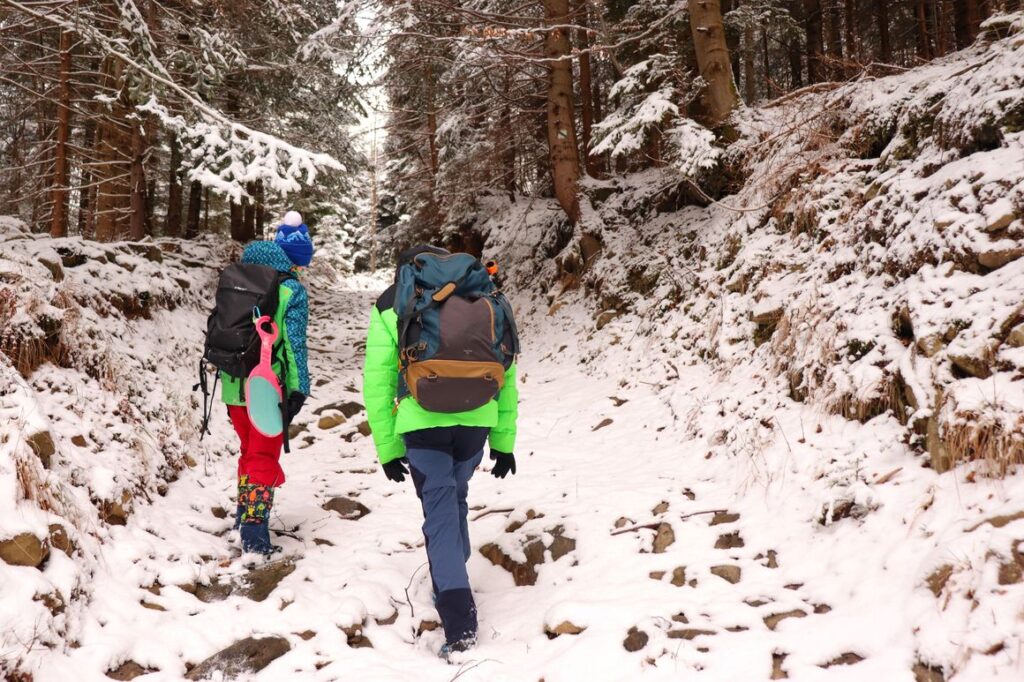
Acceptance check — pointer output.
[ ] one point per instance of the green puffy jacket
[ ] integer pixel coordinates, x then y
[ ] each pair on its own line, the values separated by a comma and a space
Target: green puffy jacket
380, 389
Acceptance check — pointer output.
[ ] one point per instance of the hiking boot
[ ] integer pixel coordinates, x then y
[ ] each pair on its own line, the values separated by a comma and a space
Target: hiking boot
256, 538
458, 647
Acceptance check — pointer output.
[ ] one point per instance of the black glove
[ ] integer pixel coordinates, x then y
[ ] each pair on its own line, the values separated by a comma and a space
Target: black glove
395, 469
295, 402
504, 464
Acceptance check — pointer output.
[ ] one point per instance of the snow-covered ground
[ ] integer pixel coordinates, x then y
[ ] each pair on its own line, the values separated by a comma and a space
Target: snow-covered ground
753, 574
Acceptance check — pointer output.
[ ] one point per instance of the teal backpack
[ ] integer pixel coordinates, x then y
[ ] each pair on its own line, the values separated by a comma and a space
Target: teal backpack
456, 332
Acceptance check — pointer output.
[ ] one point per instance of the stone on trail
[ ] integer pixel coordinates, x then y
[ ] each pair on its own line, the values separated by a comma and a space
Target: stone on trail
777, 672
24, 549
330, 421
635, 640
348, 408
525, 573
773, 620
256, 585
128, 670
364, 429
249, 655
689, 633
347, 508
729, 541
927, 673
564, 628
730, 574
721, 517
679, 576
848, 658
59, 539
663, 538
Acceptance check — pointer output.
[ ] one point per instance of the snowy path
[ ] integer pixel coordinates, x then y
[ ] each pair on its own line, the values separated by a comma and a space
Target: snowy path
702, 548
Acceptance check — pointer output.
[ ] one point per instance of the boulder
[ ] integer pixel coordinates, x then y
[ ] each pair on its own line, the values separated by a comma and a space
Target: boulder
54, 266
347, 508
42, 445
260, 582
59, 539
930, 345
1016, 336
247, 656
974, 366
997, 258
364, 429
24, 549
78, 440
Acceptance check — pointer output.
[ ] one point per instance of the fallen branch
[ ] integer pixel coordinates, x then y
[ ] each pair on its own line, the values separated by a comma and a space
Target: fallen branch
488, 512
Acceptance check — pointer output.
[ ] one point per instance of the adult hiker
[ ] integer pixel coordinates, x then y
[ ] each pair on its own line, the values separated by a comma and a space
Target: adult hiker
264, 283
439, 382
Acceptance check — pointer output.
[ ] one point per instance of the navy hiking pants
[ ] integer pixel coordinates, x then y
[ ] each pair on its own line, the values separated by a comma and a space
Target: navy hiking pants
442, 460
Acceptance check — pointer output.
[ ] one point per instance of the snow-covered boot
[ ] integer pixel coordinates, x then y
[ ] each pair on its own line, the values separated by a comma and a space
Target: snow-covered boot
256, 502
450, 648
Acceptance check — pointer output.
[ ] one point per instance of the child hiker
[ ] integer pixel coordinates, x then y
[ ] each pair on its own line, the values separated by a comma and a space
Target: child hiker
242, 290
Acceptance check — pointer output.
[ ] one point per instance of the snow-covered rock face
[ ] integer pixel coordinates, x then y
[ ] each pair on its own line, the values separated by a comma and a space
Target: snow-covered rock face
95, 415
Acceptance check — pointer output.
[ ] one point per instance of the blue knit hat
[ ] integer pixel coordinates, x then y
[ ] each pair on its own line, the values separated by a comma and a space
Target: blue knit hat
293, 238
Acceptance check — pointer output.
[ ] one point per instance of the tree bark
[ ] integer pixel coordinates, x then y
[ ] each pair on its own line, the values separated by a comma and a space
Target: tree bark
249, 213
172, 224
795, 49
113, 163
237, 224
561, 129
815, 41
261, 209
882, 20
732, 41
87, 195
586, 88
851, 36
720, 96
967, 19
924, 40
749, 81
195, 202
59, 212
833, 26
137, 220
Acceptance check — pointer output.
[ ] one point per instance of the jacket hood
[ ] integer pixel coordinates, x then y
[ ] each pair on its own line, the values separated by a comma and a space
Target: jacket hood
267, 253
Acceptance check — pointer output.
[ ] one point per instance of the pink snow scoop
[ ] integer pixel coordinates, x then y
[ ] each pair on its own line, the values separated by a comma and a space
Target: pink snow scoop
263, 397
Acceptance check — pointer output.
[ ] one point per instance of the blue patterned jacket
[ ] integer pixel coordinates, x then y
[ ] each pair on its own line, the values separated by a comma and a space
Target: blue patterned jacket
295, 319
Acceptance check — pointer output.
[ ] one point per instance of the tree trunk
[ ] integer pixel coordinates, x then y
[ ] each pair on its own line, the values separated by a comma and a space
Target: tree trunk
815, 41
59, 212
749, 81
924, 40
172, 224
732, 41
851, 35
795, 49
113, 163
938, 28
884, 42
137, 221
87, 195
586, 88
261, 210
720, 96
249, 214
769, 89
967, 19
561, 129
834, 27
237, 224
195, 202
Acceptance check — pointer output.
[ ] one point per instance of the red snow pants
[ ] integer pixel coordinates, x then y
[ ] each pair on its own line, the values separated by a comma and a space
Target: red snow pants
261, 455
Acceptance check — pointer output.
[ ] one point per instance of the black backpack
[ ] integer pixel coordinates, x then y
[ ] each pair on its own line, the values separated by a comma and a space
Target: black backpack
232, 344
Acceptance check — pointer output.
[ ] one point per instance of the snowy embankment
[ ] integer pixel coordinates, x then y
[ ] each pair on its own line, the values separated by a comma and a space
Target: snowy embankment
99, 349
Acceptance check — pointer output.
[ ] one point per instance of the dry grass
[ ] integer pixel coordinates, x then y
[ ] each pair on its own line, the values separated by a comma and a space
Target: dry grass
976, 437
